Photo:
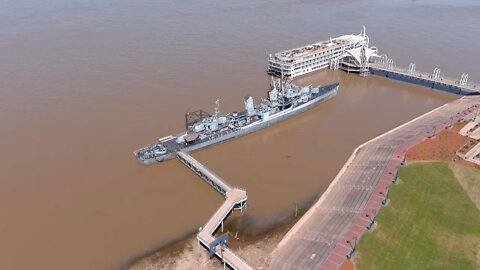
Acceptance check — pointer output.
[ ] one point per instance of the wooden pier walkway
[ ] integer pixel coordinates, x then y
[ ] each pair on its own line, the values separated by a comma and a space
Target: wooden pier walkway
208, 176
235, 199
327, 233
436, 80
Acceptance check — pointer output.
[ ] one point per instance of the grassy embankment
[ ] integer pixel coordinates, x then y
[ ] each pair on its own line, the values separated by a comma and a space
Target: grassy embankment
432, 221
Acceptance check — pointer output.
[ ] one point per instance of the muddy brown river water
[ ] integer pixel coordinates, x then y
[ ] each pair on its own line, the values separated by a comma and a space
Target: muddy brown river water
84, 83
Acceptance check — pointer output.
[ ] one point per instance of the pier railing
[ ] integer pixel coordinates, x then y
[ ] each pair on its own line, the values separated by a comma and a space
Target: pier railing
212, 179
386, 64
235, 199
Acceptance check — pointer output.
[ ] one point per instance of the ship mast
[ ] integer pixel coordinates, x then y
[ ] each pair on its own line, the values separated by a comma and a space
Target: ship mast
217, 108
281, 91
281, 82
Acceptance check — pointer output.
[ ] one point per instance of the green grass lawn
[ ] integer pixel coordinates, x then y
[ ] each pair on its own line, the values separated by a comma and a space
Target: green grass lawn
430, 223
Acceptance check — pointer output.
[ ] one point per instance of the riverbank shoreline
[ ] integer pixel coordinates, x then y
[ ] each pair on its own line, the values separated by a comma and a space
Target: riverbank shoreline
348, 214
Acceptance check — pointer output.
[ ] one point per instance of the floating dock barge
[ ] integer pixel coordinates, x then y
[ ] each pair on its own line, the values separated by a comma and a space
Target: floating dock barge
459, 86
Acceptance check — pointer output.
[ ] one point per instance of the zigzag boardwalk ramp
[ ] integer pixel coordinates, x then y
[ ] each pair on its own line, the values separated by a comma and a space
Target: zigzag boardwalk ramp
235, 199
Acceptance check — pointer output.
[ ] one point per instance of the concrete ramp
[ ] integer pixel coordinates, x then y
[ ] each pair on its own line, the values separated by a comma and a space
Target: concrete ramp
468, 128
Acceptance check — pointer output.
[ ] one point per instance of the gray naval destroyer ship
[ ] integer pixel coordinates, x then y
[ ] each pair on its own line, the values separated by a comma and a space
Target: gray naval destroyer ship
284, 100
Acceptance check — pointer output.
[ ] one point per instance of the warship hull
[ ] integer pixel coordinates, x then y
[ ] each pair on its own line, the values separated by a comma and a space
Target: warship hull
174, 147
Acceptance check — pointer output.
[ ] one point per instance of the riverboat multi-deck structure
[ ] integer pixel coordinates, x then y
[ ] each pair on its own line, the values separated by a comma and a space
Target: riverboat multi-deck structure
313, 57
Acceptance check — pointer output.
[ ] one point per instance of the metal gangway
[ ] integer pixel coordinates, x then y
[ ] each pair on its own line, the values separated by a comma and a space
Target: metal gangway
235, 199
384, 67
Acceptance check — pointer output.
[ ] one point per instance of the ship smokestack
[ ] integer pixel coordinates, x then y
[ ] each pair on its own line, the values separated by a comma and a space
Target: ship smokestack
249, 105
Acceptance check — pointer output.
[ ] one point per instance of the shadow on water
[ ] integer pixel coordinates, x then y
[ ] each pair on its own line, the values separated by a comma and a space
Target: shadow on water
252, 227
168, 249
243, 229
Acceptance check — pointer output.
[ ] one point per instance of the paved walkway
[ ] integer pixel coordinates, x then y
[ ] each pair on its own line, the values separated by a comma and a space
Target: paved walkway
319, 239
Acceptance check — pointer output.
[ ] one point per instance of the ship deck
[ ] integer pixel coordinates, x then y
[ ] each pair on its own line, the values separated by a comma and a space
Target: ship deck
216, 137
296, 53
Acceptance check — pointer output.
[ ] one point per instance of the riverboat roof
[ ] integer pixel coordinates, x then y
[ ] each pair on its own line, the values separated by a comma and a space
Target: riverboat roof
297, 53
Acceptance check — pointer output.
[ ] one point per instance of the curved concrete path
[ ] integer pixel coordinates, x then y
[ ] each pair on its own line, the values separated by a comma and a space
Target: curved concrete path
319, 239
